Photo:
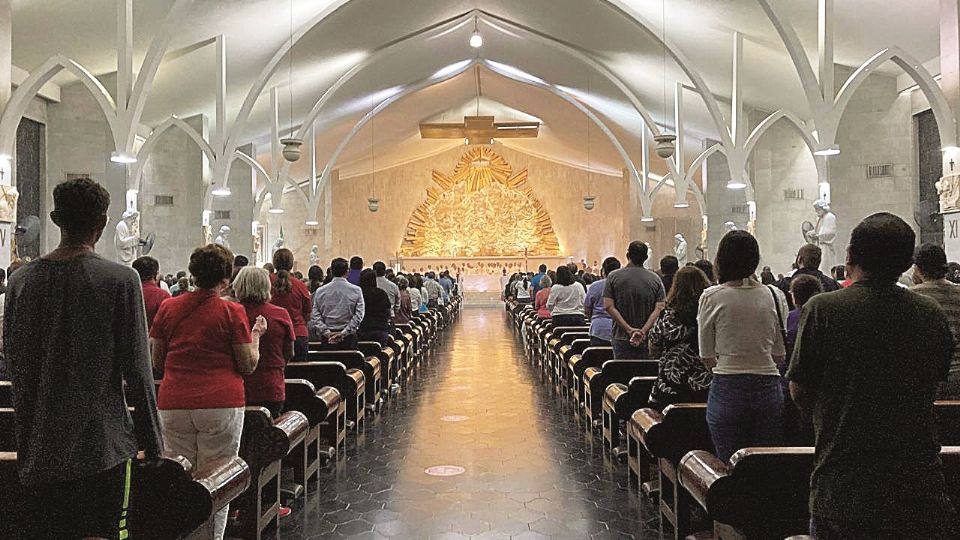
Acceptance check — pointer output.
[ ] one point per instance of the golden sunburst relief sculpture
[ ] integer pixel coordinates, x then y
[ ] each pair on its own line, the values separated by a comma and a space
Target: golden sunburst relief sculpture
481, 210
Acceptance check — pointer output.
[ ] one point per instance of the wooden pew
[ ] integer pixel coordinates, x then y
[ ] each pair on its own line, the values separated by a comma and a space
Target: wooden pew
169, 500
349, 382
265, 442
620, 401
326, 414
579, 363
6, 394
596, 380
373, 369
386, 358
554, 341
562, 355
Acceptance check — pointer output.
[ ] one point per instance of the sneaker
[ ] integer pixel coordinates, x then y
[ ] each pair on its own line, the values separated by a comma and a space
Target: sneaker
284, 511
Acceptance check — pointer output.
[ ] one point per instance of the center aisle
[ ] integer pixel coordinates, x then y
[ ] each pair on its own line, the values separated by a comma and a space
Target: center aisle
530, 470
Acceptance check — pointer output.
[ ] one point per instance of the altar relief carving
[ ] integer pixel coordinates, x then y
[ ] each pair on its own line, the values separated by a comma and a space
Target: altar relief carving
483, 209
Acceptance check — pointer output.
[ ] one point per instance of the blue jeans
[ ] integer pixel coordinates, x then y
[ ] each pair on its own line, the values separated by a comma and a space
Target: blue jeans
301, 348
598, 342
744, 411
623, 350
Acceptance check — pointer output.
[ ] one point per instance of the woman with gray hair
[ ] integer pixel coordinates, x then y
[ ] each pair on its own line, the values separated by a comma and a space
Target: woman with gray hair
265, 387
405, 307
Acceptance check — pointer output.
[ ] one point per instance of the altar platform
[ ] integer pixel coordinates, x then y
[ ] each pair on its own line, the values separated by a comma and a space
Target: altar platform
480, 277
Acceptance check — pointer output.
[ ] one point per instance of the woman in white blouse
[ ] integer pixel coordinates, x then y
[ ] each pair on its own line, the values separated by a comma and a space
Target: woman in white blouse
741, 326
565, 302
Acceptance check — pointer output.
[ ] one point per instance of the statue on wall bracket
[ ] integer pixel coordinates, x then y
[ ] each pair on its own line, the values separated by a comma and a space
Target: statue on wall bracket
223, 237
8, 204
680, 249
948, 188
824, 233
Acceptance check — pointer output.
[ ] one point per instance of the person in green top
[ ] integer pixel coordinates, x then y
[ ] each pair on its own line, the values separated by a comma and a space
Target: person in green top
865, 368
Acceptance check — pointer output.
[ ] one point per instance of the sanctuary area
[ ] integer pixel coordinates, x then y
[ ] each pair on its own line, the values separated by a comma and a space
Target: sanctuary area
485, 269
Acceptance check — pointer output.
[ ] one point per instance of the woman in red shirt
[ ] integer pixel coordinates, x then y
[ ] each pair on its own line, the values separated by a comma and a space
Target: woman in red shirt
292, 295
204, 345
540, 301
265, 386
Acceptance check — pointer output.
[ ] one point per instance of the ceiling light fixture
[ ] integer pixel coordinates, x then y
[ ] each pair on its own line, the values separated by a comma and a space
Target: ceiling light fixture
222, 191
312, 223
122, 157
681, 205
944, 149
276, 210
666, 144
476, 40
646, 219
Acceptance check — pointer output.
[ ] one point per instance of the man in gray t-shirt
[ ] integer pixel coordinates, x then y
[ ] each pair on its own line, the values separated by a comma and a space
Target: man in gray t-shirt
633, 296
76, 331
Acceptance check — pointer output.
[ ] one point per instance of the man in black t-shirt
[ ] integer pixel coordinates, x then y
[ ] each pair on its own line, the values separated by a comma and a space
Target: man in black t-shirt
865, 367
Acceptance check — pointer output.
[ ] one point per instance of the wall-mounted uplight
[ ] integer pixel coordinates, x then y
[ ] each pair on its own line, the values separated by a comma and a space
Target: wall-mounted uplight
944, 149
123, 158
312, 223
221, 191
646, 219
828, 151
681, 205
736, 184
276, 210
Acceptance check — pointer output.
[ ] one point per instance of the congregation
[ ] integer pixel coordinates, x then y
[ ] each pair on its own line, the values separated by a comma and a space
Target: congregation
858, 366
218, 345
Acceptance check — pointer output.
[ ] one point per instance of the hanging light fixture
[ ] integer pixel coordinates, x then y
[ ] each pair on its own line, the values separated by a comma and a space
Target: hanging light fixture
476, 40
373, 202
291, 144
666, 144
589, 201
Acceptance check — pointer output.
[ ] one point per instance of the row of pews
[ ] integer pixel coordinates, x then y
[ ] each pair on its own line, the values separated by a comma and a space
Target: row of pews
328, 398
762, 493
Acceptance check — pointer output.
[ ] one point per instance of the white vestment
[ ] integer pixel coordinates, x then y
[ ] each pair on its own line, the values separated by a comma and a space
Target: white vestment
126, 244
826, 235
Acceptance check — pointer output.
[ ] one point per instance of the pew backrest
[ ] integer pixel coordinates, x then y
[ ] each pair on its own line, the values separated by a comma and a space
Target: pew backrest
350, 359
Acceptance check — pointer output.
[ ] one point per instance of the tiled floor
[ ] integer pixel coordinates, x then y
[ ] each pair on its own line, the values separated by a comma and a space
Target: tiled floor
531, 470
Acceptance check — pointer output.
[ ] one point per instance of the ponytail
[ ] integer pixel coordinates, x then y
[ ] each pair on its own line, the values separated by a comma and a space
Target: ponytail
283, 264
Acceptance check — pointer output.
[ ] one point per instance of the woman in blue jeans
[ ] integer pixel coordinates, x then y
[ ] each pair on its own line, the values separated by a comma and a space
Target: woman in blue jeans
742, 341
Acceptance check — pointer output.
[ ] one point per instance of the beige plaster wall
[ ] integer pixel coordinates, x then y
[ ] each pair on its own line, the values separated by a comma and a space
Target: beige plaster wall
349, 228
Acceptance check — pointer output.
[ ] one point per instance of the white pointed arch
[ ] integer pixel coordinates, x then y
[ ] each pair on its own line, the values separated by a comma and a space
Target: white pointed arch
151, 141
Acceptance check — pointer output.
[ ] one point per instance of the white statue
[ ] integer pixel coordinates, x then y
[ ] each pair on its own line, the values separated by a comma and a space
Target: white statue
648, 264
680, 250
223, 237
278, 245
314, 256
729, 226
825, 233
126, 239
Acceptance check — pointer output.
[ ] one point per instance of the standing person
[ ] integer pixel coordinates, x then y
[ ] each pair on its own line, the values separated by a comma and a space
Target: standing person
356, 266
534, 282
292, 295
76, 345
681, 376
742, 340
865, 368
265, 387
337, 310
634, 297
706, 267
153, 295
522, 289
387, 286
405, 307
601, 325
808, 263
504, 279
767, 277
434, 290
205, 345
668, 267
565, 302
413, 289
377, 313
540, 301
930, 271
447, 283
315, 277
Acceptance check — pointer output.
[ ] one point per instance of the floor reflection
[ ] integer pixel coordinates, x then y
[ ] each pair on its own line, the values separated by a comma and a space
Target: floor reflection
531, 470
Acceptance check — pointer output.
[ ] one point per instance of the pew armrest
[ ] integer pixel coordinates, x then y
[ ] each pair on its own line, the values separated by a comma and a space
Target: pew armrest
224, 479
698, 472
642, 422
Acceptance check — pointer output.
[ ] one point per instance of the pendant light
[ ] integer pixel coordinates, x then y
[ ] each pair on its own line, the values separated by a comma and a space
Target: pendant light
589, 201
373, 203
291, 145
666, 144
476, 40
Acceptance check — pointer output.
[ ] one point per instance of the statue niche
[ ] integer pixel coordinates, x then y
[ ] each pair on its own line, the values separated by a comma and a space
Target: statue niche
481, 210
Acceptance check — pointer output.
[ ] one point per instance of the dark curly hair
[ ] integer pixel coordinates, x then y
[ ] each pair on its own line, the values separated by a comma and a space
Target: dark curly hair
78, 204
210, 265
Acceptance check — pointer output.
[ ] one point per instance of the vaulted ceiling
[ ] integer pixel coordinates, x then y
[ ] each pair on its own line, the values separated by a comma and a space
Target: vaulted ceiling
352, 33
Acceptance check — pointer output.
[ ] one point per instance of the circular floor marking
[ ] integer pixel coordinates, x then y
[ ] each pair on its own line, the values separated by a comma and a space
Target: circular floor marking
454, 418
444, 470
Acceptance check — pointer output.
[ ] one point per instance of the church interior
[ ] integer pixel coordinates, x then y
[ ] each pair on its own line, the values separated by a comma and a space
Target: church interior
482, 147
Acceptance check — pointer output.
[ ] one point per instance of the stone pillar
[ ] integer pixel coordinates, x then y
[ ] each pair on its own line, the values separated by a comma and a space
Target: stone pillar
950, 63
6, 85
